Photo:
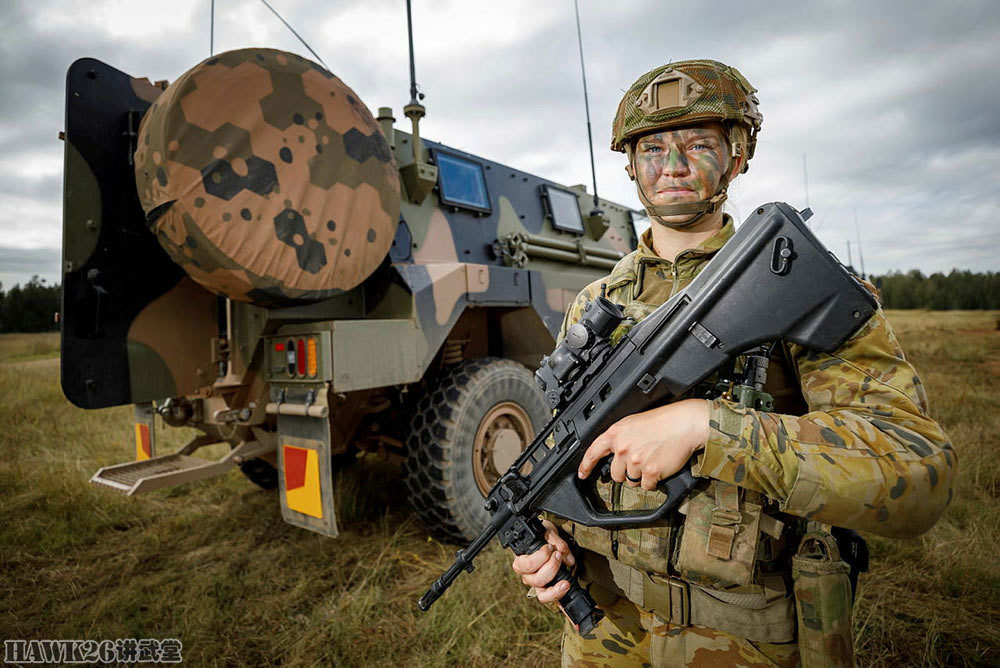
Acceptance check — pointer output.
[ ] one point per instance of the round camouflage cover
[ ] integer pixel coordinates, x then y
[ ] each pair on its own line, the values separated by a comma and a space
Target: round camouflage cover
266, 178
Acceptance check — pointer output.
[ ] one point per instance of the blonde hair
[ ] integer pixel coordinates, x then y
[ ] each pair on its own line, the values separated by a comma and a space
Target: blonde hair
739, 140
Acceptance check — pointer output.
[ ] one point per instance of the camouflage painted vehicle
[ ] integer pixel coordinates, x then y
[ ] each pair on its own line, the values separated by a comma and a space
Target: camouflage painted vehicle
248, 252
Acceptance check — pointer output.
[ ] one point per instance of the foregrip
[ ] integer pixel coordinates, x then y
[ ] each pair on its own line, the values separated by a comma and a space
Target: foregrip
576, 603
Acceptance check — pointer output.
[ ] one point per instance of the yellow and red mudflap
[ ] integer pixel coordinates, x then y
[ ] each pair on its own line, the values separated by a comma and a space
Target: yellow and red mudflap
145, 433
306, 481
302, 483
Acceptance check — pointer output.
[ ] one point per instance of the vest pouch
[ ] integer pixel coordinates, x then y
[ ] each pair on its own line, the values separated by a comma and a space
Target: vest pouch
648, 548
768, 616
719, 541
822, 602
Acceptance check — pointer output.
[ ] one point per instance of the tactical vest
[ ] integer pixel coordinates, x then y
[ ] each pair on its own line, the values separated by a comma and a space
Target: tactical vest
730, 543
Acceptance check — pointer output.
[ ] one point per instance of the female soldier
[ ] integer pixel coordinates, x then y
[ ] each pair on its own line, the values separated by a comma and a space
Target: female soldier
849, 444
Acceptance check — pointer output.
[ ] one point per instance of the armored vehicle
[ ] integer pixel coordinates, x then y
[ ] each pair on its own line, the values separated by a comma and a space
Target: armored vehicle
250, 253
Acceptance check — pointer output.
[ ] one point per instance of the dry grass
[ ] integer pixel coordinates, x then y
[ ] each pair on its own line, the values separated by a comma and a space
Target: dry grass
935, 600
23, 347
214, 565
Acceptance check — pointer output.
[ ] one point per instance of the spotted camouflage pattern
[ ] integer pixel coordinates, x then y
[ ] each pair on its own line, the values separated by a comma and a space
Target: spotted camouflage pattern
448, 289
859, 452
446, 269
629, 636
866, 456
266, 178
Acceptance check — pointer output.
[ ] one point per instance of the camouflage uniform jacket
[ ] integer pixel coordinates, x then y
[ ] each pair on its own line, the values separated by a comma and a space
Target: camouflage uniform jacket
849, 444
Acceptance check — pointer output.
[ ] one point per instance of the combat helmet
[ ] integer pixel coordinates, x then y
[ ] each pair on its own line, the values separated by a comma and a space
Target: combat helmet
681, 94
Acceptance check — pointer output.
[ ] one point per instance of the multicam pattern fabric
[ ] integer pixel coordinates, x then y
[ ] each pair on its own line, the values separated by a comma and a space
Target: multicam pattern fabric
860, 452
823, 603
726, 96
266, 178
630, 636
866, 456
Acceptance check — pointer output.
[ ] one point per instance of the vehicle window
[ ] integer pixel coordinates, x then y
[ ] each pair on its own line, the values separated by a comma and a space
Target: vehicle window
461, 182
564, 209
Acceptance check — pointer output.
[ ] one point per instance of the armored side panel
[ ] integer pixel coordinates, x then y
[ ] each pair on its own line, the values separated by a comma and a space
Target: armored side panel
119, 286
496, 238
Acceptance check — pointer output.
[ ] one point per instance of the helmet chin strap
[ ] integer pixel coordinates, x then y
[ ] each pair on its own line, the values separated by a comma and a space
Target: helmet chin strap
700, 209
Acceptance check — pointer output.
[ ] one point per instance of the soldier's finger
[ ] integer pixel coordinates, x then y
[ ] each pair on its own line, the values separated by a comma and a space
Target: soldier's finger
601, 447
553, 593
526, 564
553, 538
649, 481
545, 573
618, 469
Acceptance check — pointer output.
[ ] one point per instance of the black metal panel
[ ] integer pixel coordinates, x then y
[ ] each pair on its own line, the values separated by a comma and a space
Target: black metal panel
127, 269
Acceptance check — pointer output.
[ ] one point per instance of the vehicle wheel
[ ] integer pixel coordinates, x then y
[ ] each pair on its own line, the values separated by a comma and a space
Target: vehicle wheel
466, 430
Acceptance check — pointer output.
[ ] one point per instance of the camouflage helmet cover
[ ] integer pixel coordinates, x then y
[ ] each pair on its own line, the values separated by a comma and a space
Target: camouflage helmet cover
265, 177
684, 93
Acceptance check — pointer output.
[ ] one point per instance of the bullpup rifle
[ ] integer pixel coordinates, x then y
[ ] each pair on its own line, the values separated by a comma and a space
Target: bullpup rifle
773, 280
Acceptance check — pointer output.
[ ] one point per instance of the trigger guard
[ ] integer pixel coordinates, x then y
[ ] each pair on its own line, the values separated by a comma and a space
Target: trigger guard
572, 500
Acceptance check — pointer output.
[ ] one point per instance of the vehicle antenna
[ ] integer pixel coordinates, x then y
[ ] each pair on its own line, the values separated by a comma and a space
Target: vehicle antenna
857, 231
586, 106
211, 32
805, 178
273, 11
413, 68
419, 177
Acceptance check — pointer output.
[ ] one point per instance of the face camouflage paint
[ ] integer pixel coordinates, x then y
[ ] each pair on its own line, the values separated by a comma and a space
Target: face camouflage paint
685, 165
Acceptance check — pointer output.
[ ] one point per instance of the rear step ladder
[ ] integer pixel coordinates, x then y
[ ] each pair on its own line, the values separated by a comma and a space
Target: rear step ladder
176, 468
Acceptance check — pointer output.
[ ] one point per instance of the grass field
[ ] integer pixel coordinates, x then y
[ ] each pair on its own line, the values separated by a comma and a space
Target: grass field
26, 347
213, 565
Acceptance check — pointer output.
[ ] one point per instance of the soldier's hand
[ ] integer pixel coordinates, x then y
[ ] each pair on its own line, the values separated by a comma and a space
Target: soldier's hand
538, 569
651, 445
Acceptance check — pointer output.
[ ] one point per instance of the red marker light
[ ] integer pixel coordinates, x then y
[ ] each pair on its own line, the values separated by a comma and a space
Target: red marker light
279, 347
300, 350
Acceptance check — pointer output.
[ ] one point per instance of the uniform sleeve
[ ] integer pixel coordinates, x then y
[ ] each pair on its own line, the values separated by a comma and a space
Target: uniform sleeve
575, 311
866, 455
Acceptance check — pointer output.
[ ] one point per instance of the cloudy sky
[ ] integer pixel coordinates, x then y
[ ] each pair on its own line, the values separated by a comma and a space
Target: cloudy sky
892, 108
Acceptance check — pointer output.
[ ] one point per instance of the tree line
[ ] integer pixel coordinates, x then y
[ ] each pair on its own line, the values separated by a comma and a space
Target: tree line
963, 290
32, 307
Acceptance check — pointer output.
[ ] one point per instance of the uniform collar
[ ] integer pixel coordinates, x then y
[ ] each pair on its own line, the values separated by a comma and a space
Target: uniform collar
645, 253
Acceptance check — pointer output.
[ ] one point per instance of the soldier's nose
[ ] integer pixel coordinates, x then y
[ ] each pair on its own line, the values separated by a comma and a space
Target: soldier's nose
675, 164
